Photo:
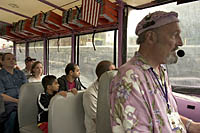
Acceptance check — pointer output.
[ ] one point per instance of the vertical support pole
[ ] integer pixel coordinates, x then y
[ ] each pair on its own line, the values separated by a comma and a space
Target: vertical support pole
45, 56
78, 43
14, 48
124, 35
26, 49
73, 52
115, 48
120, 31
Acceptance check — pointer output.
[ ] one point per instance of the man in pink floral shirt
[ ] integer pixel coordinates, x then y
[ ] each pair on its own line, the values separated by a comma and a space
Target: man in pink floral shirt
141, 95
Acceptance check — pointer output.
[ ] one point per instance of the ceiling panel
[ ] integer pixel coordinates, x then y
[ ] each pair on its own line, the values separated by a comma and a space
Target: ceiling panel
30, 8
65, 2
25, 7
12, 17
137, 2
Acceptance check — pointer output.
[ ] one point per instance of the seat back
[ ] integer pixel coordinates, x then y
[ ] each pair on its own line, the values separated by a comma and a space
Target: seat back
27, 106
66, 115
103, 103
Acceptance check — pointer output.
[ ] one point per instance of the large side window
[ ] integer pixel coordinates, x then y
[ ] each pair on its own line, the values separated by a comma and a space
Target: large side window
131, 37
89, 58
6, 46
36, 50
59, 55
20, 55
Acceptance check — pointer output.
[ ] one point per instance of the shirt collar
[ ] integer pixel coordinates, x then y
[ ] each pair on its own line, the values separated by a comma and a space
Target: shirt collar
3, 69
144, 64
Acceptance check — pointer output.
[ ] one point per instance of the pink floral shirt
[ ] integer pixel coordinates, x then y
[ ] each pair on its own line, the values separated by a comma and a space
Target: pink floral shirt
137, 102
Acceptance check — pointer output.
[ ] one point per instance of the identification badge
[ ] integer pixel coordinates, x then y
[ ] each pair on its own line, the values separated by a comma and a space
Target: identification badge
175, 122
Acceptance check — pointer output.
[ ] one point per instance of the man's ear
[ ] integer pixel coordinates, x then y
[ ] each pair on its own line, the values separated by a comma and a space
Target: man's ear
70, 72
151, 37
48, 87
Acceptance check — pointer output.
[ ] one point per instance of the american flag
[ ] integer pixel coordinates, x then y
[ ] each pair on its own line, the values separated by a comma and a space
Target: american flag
91, 11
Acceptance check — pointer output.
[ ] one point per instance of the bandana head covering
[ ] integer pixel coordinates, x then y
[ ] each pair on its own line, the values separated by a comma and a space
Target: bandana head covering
155, 20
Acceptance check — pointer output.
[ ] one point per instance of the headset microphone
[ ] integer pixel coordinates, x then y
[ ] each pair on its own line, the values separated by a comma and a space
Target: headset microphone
180, 53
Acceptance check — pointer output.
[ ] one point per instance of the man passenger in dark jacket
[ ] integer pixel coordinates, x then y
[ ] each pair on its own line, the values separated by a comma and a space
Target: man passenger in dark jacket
70, 82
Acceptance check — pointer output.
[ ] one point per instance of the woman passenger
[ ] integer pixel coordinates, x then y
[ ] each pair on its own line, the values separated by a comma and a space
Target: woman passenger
37, 72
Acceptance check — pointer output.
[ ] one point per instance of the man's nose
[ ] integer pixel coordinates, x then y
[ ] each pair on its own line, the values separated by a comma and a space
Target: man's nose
179, 41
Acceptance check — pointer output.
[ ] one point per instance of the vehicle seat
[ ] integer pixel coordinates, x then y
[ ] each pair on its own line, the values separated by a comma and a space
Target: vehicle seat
66, 115
103, 102
27, 107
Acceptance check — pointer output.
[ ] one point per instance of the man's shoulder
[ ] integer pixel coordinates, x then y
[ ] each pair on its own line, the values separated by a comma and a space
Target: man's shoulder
130, 65
3, 74
19, 71
89, 93
62, 80
42, 95
92, 88
21, 74
63, 77
2, 71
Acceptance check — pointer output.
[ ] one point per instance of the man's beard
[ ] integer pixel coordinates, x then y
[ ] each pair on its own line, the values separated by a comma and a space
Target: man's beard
171, 59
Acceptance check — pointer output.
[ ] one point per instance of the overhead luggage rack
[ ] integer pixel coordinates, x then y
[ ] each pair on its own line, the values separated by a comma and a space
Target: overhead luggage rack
79, 19
69, 16
15, 30
24, 27
36, 24
47, 24
5, 33
55, 20
108, 12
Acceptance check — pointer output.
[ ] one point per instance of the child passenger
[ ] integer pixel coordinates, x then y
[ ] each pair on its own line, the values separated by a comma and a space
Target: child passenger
51, 86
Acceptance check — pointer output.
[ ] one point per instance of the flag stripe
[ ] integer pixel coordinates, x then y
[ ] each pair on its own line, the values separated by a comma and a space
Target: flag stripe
88, 16
87, 9
97, 15
83, 10
95, 10
90, 11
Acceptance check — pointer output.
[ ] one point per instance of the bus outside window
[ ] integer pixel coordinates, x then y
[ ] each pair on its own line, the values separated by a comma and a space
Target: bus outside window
20, 55
89, 58
59, 55
36, 50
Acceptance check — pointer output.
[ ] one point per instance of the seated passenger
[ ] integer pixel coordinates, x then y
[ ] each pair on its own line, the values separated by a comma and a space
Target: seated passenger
11, 80
70, 82
51, 86
28, 62
37, 72
90, 97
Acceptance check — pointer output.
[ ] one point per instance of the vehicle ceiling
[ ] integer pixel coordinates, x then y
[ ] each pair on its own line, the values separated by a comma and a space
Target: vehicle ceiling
23, 9
14, 10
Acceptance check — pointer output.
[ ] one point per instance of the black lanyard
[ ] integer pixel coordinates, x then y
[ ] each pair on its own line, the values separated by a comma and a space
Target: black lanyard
164, 91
